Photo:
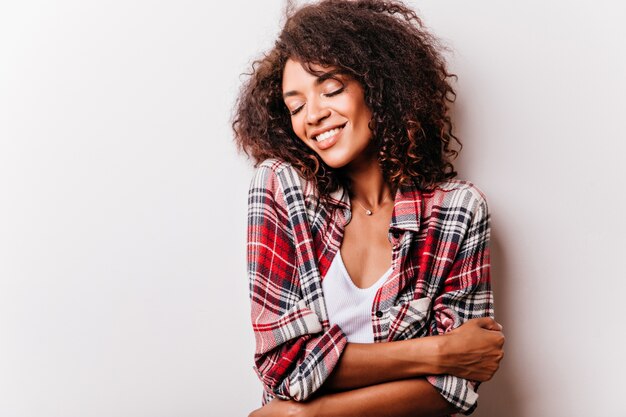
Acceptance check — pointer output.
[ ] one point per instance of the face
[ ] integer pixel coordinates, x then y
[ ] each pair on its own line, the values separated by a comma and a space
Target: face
328, 113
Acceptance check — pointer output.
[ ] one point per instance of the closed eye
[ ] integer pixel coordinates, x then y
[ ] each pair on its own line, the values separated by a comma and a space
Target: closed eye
296, 110
333, 93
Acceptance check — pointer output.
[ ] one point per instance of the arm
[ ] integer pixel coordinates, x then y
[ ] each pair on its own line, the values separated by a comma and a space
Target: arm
410, 397
472, 351
469, 348
293, 355
365, 364
469, 342
465, 292
413, 397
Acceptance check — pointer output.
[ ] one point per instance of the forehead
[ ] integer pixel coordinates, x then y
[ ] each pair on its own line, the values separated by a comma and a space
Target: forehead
296, 73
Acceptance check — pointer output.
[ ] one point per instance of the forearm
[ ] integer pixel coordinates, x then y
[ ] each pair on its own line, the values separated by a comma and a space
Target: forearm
365, 364
410, 397
473, 351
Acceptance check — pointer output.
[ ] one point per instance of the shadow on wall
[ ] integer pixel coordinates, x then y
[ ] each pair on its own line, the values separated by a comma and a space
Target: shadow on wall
500, 396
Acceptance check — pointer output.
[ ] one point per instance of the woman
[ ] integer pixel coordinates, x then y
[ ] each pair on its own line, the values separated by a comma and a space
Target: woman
357, 232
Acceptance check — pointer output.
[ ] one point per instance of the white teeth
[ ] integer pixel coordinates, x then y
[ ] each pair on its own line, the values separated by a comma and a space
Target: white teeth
327, 134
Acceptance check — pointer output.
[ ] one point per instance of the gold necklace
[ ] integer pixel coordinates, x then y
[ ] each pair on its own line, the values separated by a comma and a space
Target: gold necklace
368, 211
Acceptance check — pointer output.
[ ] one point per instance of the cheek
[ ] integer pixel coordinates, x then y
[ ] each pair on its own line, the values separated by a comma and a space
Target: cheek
364, 116
299, 130
359, 111
297, 127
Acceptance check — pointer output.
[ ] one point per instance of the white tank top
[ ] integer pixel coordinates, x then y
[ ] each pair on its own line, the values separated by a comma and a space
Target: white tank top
348, 305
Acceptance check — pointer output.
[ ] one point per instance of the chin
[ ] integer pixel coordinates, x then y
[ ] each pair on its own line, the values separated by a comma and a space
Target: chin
336, 163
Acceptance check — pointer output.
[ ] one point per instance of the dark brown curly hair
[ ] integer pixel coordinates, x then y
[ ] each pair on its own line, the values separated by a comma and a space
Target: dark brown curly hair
385, 47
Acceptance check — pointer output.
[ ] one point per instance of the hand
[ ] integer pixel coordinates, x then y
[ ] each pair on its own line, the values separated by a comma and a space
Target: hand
280, 408
473, 350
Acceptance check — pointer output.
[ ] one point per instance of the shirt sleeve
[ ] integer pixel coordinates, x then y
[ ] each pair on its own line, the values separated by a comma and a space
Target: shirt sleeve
293, 354
466, 294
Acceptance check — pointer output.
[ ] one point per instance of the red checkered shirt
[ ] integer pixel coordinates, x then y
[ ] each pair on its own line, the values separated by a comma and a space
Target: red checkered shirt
440, 276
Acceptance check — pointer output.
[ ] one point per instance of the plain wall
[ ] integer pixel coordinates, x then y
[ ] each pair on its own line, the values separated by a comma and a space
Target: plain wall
123, 287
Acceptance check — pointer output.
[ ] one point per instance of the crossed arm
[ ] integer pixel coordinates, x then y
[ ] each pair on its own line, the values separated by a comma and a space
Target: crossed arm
387, 379
297, 360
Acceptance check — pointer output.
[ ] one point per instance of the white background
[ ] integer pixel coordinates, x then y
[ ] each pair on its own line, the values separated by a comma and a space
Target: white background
123, 289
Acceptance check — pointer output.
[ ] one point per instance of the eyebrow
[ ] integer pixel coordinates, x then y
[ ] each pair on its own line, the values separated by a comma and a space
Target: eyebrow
319, 80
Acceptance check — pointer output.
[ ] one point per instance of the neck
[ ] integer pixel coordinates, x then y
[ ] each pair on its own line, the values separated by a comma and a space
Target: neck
367, 184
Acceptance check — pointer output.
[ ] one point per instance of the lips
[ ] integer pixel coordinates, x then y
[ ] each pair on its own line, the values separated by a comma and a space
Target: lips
324, 133
323, 136
315, 134
328, 137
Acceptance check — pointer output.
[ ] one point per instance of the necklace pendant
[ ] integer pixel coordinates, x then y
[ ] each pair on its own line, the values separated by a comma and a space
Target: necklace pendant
368, 212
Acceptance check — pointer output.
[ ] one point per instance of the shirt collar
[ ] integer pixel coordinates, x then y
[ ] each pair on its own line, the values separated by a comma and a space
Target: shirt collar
407, 207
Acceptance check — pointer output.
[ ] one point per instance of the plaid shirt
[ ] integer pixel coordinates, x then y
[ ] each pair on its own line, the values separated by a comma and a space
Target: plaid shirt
440, 276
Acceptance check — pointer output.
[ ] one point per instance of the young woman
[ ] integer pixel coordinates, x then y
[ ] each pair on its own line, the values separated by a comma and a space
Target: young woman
368, 262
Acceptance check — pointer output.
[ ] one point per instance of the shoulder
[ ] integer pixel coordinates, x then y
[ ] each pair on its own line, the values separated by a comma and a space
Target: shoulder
277, 168
274, 165
266, 174
456, 193
278, 174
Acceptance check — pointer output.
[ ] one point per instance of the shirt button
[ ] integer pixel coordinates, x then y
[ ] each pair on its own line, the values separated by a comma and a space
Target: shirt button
379, 314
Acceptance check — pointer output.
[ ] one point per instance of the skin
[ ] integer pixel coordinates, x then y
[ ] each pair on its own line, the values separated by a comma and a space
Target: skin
335, 102
317, 104
374, 379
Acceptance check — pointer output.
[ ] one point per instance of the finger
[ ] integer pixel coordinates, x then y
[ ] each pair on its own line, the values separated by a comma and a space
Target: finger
487, 323
495, 326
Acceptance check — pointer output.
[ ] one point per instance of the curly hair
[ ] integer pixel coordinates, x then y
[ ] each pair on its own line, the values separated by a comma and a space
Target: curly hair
385, 47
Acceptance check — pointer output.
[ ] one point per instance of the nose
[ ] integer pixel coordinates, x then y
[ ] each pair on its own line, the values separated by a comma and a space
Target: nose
316, 111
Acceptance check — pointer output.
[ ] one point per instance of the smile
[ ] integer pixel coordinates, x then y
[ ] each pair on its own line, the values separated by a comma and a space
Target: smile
329, 133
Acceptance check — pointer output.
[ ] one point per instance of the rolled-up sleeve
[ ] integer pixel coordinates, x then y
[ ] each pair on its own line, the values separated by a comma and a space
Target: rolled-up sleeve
294, 353
466, 294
